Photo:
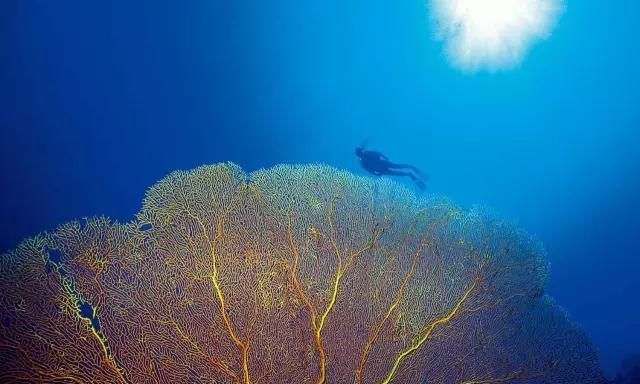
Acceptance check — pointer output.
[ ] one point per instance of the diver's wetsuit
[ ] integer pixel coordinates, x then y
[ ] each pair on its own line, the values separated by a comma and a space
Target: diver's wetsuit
378, 164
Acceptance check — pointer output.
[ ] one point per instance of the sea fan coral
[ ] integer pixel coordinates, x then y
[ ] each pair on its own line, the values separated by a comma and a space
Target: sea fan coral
294, 274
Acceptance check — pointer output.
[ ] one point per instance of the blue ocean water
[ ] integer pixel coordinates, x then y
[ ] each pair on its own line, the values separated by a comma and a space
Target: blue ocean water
100, 100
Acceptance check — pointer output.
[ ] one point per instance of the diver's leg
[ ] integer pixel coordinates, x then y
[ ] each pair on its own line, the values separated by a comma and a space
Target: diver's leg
391, 172
402, 166
413, 177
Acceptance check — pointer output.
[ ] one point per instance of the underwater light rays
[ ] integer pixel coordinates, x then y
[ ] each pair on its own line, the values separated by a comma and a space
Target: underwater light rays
492, 34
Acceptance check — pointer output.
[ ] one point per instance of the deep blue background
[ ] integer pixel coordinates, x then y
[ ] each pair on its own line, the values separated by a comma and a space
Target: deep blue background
98, 101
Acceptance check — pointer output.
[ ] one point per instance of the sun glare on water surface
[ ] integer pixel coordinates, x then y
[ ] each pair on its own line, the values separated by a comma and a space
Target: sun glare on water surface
492, 34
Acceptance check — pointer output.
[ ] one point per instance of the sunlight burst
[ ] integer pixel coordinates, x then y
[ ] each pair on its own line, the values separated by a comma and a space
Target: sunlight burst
492, 34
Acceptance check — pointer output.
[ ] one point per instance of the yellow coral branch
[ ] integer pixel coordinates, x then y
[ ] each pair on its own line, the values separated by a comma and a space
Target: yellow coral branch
427, 334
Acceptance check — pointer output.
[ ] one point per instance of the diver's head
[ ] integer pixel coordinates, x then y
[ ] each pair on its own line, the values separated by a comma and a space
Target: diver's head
359, 151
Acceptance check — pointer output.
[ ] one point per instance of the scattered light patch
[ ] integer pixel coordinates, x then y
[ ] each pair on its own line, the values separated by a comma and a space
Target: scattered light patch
492, 34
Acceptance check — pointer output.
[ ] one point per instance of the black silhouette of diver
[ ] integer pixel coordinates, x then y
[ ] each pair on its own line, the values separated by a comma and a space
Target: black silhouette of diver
378, 164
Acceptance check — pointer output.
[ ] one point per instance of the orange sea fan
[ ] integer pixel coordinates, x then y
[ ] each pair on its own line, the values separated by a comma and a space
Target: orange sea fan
294, 274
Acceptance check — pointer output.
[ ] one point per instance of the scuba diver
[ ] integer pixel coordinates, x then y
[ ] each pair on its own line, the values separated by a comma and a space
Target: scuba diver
378, 164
